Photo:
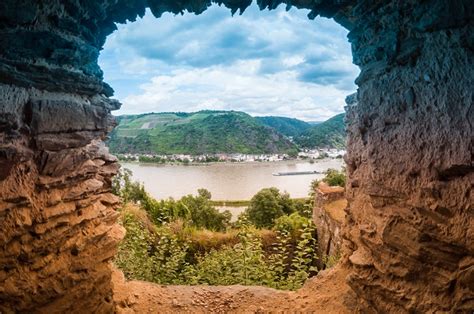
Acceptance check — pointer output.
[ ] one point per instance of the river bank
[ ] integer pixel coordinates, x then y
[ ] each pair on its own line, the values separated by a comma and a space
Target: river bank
210, 163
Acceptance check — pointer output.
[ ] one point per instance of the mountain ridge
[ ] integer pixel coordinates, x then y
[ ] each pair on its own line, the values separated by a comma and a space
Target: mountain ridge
197, 133
216, 131
328, 134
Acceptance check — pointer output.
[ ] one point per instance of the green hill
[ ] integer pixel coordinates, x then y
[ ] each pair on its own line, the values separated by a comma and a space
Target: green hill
286, 126
329, 134
196, 133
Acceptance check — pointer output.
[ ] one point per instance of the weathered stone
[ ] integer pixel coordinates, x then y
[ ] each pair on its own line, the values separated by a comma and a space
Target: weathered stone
411, 203
51, 213
328, 216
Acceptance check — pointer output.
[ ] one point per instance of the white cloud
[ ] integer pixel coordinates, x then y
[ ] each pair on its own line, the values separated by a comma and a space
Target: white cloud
236, 87
263, 63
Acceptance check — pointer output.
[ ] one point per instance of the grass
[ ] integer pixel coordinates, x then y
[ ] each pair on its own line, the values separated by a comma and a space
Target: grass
236, 203
140, 215
242, 203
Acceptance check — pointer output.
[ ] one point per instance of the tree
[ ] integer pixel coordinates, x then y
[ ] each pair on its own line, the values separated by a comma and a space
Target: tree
128, 190
202, 213
204, 193
335, 177
267, 205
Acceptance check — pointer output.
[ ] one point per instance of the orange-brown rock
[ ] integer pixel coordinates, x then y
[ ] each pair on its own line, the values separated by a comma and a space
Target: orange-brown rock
57, 215
328, 216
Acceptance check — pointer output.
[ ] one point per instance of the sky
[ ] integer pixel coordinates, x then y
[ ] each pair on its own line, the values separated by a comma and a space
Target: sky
262, 62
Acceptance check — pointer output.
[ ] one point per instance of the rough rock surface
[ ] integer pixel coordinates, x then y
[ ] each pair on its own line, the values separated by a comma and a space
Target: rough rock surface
57, 214
410, 228
410, 232
328, 216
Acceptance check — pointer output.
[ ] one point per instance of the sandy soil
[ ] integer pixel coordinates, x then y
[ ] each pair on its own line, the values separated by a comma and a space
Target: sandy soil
326, 293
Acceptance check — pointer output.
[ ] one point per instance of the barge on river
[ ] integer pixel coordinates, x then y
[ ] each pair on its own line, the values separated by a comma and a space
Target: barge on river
296, 173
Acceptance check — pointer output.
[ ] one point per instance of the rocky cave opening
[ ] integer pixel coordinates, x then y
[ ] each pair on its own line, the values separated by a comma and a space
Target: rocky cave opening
409, 229
130, 37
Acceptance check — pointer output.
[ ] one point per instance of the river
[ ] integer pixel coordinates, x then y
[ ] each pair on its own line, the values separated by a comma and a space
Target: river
228, 181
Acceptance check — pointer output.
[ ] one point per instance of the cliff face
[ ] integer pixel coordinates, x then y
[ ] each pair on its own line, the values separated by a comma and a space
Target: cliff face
410, 158
409, 233
57, 214
328, 216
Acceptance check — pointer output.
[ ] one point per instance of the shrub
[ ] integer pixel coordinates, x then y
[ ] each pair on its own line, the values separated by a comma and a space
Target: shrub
169, 256
244, 263
165, 255
291, 224
153, 255
335, 177
182, 241
202, 214
197, 211
304, 207
128, 191
133, 255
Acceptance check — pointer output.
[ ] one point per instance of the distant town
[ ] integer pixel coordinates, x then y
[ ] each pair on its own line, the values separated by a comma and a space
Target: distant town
307, 154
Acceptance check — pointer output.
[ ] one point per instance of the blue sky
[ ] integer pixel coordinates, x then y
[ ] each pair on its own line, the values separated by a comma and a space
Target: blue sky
261, 62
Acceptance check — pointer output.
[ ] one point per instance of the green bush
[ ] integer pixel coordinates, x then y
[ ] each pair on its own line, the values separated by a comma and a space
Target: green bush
335, 177
177, 241
129, 191
202, 214
197, 211
244, 263
133, 256
163, 256
291, 224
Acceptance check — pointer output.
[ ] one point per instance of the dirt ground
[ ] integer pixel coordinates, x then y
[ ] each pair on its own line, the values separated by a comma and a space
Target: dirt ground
326, 293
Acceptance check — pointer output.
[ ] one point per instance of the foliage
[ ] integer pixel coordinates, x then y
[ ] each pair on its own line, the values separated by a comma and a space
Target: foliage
169, 259
269, 204
329, 134
330, 260
189, 242
291, 224
244, 263
302, 265
155, 256
197, 211
201, 212
335, 177
164, 256
286, 126
303, 206
266, 206
133, 255
128, 190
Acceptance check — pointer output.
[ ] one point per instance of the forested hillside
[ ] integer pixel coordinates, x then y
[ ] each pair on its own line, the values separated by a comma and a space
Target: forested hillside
203, 132
286, 126
328, 134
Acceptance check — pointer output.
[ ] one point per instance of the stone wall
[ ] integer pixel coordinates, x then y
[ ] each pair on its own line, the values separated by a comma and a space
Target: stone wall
57, 214
410, 226
328, 216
